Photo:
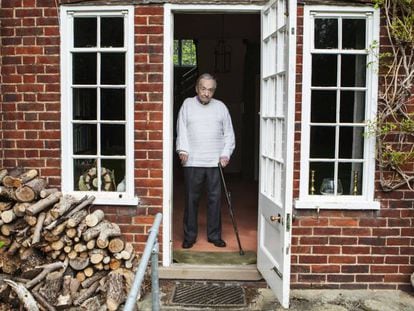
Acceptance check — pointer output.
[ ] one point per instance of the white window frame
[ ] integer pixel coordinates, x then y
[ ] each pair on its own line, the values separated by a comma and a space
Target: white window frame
67, 13
366, 200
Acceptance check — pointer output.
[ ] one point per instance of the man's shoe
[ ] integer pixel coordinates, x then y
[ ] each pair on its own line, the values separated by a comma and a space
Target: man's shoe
187, 244
218, 243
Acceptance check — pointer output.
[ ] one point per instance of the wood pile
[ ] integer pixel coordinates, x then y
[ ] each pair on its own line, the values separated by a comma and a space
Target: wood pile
55, 253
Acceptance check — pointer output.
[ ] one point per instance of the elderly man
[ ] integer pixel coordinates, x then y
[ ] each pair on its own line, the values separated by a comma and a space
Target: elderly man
205, 137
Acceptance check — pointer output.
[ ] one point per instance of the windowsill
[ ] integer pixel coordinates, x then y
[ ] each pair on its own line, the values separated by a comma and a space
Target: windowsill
107, 199
338, 204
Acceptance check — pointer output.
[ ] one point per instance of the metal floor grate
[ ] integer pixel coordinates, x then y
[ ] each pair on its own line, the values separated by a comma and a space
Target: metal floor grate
208, 295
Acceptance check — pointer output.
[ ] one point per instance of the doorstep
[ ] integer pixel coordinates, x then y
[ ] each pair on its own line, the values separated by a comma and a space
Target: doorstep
210, 272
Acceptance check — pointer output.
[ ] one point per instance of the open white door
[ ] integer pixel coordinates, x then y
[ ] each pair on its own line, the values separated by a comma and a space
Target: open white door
276, 145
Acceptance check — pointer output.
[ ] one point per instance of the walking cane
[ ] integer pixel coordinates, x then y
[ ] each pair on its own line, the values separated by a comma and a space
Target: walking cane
228, 200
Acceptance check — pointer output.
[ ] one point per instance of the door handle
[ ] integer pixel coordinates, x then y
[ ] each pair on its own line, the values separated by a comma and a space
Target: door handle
275, 218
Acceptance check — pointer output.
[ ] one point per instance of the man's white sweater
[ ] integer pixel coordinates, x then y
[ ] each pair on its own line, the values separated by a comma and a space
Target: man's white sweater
204, 132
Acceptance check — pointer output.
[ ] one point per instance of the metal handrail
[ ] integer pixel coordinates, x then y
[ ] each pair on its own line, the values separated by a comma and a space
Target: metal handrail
151, 249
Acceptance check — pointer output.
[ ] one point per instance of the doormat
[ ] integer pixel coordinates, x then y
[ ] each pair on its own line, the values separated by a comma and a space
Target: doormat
214, 258
208, 295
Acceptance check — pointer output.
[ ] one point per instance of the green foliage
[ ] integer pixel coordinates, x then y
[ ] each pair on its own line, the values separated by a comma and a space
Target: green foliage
185, 53
1, 244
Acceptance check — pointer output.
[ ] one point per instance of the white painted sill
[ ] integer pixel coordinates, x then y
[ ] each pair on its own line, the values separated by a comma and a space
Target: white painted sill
113, 198
338, 204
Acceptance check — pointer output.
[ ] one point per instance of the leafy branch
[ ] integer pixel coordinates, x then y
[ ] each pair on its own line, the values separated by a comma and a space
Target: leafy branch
394, 126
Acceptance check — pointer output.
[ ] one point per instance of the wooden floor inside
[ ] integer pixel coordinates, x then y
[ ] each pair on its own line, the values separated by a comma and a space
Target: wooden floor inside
245, 205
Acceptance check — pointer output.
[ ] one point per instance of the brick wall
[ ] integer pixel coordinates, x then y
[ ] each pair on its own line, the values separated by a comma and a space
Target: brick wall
351, 249
30, 93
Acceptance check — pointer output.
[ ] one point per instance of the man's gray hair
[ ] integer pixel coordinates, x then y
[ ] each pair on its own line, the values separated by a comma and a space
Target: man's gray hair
206, 76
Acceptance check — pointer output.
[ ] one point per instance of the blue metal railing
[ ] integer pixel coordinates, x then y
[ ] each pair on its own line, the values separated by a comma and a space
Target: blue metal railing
151, 250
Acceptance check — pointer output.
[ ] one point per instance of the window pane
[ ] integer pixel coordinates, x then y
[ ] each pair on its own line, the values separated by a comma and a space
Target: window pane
84, 104
113, 68
352, 106
112, 104
350, 175
84, 68
326, 33
82, 180
319, 171
323, 106
113, 178
84, 32
353, 70
112, 32
176, 52
84, 139
353, 34
351, 142
324, 69
113, 139
188, 53
322, 142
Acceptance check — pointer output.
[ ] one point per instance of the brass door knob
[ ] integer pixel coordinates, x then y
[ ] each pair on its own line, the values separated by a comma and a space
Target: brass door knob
275, 218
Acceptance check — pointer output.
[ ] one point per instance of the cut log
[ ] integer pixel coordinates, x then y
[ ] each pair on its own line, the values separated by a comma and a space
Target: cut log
127, 252
76, 218
115, 264
99, 266
79, 263
12, 174
59, 229
3, 173
8, 216
46, 270
91, 244
30, 191
24, 295
130, 262
108, 231
97, 255
92, 304
43, 203
85, 202
72, 254
10, 181
38, 228
46, 192
93, 219
67, 249
94, 232
70, 232
86, 293
88, 272
43, 302
13, 248
7, 193
106, 260
74, 286
80, 276
30, 220
9, 264
7, 229
20, 208
97, 276
116, 290
116, 245
65, 203
4, 206
57, 245
52, 286
80, 247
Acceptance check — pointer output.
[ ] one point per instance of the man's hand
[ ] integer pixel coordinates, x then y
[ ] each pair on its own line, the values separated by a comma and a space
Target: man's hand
183, 157
224, 161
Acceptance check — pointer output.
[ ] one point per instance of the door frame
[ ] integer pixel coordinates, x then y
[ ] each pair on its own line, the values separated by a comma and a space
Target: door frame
168, 102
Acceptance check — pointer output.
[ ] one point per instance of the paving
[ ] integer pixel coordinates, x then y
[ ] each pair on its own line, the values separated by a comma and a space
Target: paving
262, 299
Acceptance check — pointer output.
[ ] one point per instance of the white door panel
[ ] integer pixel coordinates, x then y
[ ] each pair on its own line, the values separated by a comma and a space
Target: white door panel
276, 145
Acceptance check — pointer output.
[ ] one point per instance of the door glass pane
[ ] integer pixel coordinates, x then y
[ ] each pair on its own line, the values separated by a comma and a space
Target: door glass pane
113, 178
353, 34
324, 70
318, 171
113, 139
112, 32
84, 139
350, 175
82, 180
353, 70
352, 107
326, 33
84, 104
112, 104
351, 142
84, 68
113, 68
322, 142
84, 32
323, 106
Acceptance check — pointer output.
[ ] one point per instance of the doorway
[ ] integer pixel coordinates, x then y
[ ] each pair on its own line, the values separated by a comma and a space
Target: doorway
226, 45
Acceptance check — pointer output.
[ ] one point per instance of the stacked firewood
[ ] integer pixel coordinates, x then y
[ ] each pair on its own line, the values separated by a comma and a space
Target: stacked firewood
55, 253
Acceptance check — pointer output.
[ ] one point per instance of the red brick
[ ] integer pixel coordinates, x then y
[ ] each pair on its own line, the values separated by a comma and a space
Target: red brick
340, 278
385, 250
326, 249
369, 278
371, 259
326, 268
344, 222
384, 269
398, 241
312, 259
342, 241
385, 232
149, 10
397, 260
342, 259
354, 268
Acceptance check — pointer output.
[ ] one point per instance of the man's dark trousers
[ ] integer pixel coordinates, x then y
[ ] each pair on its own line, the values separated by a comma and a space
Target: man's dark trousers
195, 179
